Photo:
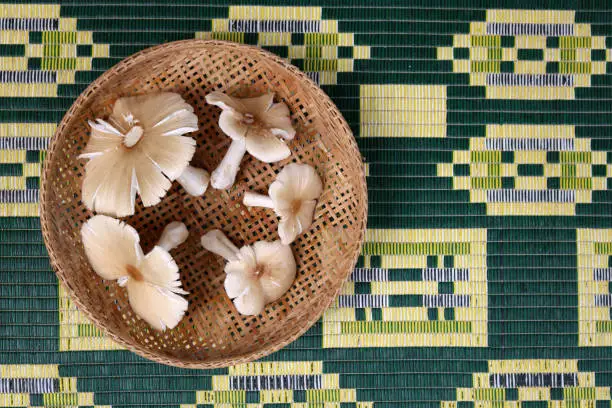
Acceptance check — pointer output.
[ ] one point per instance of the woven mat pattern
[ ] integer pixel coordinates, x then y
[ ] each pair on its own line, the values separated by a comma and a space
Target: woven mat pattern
486, 275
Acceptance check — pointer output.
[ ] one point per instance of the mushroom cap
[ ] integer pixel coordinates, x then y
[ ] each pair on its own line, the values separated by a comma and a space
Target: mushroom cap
110, 245
280, 265
115, 173
266, 121
294, 193
156, 298
114, 252
252, 290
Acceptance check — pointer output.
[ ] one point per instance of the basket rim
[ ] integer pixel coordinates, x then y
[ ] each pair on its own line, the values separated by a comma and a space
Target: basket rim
215, 362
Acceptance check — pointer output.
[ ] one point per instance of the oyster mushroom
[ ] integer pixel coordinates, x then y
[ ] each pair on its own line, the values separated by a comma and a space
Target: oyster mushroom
255, 274
140, 149
152, 281
254, 125
293, 197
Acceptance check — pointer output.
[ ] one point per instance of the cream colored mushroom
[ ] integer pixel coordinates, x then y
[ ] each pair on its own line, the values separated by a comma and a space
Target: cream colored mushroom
255, 275
152, 281
254, 125
141, 149
293, 197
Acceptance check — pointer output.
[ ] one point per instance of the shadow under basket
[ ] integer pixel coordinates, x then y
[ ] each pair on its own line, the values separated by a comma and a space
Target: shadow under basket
212, 333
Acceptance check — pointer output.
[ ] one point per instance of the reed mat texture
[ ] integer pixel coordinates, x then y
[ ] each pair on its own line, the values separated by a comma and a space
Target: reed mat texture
485, 278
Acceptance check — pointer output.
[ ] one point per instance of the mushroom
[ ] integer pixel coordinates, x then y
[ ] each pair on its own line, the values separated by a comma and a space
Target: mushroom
140, 149
293, 197
152, 281
255, 274
254, 125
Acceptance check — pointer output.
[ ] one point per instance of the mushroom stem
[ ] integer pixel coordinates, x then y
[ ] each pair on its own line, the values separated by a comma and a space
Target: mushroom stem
133, 136
194, 180
216, 242
224, 175
173, 235
257, 200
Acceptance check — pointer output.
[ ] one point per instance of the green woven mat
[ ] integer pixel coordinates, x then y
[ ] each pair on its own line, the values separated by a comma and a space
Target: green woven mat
485, 280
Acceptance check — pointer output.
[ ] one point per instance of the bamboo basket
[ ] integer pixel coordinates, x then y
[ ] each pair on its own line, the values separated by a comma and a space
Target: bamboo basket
212, 333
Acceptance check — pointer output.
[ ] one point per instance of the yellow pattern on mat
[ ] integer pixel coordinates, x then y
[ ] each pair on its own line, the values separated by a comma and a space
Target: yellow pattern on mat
276, 383
274, 26
402, 110
511, 383
56, 52
594, 251
399, 313
43, 381
77, 333
528, 170
527, 67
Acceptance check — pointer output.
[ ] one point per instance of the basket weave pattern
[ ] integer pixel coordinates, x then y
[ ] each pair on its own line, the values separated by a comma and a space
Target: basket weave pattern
212, 333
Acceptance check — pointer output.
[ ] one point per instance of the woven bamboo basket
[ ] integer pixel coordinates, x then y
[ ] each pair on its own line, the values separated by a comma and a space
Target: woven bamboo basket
212, 333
